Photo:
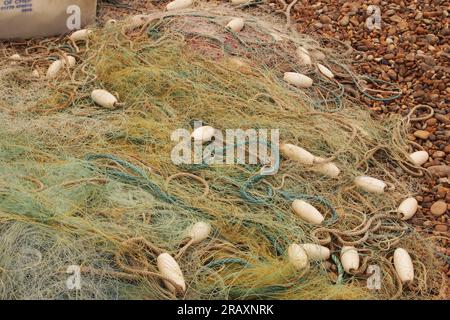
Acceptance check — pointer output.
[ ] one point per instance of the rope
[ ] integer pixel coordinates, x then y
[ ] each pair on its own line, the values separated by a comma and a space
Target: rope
141, 180
338, 263
221, 262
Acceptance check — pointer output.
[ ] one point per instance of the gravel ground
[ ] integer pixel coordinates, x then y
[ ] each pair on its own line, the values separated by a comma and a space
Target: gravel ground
410, 49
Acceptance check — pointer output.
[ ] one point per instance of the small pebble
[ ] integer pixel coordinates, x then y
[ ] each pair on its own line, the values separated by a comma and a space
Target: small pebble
422, 134
344, 21
438, 208
438, 154
442, 118
439, 170
441, 228
325, 19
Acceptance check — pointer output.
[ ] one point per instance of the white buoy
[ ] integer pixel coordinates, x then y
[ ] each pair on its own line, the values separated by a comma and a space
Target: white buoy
170, 269
408, 208
370, 184
325, 71
297, 256
307, 212
104, 98
70, 60
178, 4
316, 252
295, 153
58, 65
199, 232
328, 169
236, 24
403, 265
276, 37
54, 69
203, 134
303, 56
419, 157
80, 35
349, 258
15, 57
298, 79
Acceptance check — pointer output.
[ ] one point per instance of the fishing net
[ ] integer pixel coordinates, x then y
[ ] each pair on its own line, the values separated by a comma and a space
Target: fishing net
81, 185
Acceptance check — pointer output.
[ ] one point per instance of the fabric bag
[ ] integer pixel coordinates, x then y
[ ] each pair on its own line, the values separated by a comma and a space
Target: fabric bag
22, 19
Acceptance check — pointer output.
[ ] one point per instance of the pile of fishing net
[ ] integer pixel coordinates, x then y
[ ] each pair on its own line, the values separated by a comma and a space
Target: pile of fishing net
94, 187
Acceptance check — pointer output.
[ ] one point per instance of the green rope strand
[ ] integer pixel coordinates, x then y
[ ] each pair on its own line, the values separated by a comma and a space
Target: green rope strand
338, 263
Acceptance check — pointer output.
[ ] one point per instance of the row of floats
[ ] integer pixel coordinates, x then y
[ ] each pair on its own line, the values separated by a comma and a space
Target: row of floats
298, 255
302, 156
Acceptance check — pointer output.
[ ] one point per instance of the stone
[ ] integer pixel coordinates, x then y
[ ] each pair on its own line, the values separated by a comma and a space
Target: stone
325, 19
431, 121
439, 170
403, 26
432, 39
410, 57
429, 60
446, 31
354, 21
438, 208
422, 134
442, 118
344, 21
438, 154
441, 228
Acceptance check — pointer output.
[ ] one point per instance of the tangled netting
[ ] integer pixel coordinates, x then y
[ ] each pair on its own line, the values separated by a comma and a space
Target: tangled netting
81, 185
